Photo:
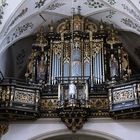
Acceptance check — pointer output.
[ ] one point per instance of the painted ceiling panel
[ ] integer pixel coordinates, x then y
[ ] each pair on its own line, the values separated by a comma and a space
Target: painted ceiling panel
65, 6
127, 8
8, 10
136, 3
119, 20
26, 9
23, 29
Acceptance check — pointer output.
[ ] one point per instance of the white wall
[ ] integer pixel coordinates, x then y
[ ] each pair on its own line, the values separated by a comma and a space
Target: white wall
44, 128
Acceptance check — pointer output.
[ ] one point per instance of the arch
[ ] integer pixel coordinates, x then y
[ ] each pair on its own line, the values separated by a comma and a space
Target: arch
69, 134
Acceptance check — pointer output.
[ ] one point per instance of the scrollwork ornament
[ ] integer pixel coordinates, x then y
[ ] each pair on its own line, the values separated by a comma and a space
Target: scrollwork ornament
3, 128
113, 38
74, 124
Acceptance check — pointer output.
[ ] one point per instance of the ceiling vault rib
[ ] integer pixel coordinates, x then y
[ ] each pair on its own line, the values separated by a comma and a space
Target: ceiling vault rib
98, 12
54, 13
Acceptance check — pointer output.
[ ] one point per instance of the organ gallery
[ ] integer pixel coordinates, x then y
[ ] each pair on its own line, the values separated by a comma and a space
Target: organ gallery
77, 69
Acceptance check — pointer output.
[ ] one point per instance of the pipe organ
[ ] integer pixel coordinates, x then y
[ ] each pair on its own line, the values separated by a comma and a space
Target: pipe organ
78, 69
77, 47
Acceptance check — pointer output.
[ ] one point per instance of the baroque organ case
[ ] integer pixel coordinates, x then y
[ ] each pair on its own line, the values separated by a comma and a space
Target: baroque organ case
79, 69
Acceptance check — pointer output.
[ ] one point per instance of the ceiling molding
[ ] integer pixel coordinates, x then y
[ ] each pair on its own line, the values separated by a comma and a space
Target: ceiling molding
116, 9
98, 12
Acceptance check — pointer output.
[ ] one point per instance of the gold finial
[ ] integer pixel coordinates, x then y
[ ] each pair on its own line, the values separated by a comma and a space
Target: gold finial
101, 26
41, 40
50, 26
113, 38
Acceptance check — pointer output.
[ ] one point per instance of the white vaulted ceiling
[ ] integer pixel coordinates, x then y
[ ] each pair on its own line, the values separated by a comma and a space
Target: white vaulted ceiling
21, 18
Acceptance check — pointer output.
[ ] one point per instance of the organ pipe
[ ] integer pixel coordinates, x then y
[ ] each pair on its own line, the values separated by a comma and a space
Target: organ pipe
78, 51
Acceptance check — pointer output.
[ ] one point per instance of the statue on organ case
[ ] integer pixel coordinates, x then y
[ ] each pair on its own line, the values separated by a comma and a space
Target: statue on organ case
72, 91
113, 67
42, 68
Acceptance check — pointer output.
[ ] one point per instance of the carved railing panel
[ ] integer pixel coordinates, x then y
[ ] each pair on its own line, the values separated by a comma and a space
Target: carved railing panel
122, 97
124, 100
19, 99
99, 106
48, 106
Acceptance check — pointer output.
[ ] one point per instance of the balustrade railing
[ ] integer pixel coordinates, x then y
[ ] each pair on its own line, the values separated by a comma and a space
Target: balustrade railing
17, 96
124, 96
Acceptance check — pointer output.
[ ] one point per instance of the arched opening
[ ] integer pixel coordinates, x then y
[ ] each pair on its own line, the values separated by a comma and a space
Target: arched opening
80, 135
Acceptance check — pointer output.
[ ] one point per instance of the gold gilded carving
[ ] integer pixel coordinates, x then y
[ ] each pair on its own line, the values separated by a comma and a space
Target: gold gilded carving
76, 23
110, 99
101, 114
99, 103
50, 26
57, 48
77, 43
30, 65
63, 27
124, 62
74, 124
123, 95
41, 40
87, 52
48, 104
96, 47
24, 96
113, 38
138, 89
5, 93
125, 65
3, 128
67, 50
37, 59
90, 26
41, 67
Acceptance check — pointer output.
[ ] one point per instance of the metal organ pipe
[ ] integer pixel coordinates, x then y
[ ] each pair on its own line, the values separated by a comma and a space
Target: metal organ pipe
100, 65
50, 63
53, 68
79, 64
56, 66
103, 67
57, 75
95, 69
91, 56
